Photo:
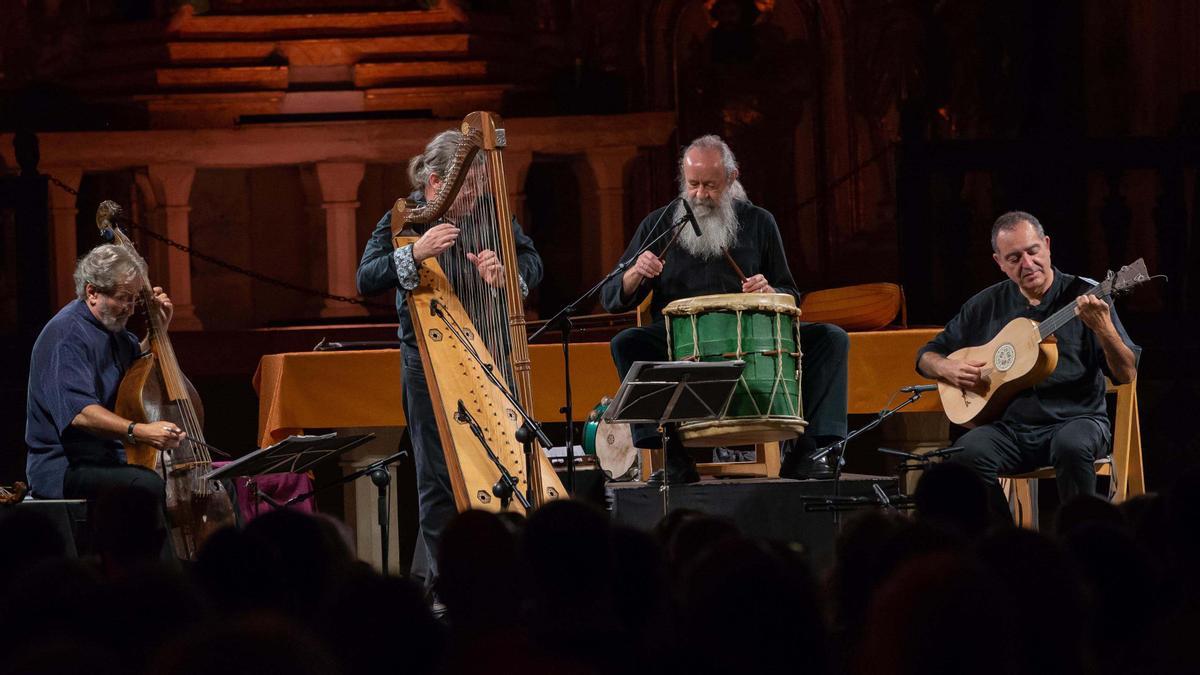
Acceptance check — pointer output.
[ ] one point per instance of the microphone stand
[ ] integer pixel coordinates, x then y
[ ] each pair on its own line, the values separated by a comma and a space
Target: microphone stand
838, 449
563, 320
506, 487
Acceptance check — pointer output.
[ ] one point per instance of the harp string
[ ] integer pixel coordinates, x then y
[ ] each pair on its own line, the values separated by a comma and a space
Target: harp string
474, 212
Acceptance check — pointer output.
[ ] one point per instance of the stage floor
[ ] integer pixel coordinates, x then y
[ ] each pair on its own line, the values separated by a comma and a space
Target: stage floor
793, 511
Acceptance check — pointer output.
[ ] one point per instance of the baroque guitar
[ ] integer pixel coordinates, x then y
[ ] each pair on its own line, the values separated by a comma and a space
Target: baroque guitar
460, 321
1021, 355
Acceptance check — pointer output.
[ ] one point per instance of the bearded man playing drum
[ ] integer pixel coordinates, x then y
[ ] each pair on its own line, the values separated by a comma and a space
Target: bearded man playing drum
696, 266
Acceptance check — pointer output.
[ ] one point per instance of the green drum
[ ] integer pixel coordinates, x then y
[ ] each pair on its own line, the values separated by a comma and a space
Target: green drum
761, 329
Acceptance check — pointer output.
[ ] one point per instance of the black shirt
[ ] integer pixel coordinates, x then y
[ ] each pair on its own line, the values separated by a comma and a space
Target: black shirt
758, 249
1076, 387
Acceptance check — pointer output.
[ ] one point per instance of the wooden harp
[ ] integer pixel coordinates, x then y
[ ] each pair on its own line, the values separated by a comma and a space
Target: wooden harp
474, 316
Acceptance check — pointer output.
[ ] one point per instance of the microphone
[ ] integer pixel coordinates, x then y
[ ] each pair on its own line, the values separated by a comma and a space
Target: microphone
433, 307
690, 216
918, 388
462, 415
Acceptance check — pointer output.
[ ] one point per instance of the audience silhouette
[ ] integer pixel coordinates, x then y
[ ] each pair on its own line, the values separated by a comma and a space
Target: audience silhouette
943, 590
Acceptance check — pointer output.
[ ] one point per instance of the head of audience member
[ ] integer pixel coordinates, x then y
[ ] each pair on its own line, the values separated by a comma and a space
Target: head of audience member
109, 279
641, 592
738, 580
950, 496
694, 535
708, 180
1122, 581
1035, 571
1021, 248
871, 546
564, 541
295, 550
248, 645
940, 613
1083, 509
477, 563
372, 623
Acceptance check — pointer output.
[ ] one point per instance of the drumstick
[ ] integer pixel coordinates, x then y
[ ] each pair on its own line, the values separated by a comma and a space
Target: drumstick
671, 243
734, 264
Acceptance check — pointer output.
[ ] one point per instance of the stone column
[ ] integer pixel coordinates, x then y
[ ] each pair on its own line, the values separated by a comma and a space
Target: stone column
604, 227
172, 185
63, 245
339, 183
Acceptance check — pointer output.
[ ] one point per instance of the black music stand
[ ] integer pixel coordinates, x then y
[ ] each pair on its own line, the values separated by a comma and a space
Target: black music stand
294, 454
667, 392
297, 454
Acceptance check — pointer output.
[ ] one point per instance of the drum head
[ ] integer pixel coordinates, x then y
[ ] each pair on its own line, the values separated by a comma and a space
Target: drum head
615, 452
611, 443
779, 303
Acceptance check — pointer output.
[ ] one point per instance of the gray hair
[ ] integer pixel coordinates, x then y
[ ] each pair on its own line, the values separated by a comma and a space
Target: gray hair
436, 159
712, 142
106, 267
1009, 222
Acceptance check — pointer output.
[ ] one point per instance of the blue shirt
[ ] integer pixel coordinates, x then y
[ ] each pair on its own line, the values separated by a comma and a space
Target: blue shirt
76, 362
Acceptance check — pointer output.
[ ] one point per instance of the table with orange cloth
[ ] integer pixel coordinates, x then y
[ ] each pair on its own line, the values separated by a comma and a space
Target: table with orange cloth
322, 390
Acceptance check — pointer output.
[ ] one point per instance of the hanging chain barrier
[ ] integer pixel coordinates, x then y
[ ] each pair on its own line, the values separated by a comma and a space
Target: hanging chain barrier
211, 259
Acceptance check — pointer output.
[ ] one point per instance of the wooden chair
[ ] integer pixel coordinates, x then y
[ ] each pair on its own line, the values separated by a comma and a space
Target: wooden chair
767, 455
1123, 466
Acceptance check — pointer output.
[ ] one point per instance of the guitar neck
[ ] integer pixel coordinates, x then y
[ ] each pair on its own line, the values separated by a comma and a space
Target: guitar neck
1063, 316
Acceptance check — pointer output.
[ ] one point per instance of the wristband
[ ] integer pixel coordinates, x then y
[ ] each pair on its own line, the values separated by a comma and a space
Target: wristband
129, 432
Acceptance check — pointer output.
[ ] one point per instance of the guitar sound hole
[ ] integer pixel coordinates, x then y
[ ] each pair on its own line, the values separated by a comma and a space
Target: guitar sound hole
1005, 356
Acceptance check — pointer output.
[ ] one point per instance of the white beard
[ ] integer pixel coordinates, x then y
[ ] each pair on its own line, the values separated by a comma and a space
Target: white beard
112, 322
719, 225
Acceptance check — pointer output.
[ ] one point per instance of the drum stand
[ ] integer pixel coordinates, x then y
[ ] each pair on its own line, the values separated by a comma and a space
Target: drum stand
563, 321
838, 450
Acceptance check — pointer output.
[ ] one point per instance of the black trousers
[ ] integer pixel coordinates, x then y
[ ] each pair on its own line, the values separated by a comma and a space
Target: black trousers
824, 349
1070, 447
89, 481
435, 495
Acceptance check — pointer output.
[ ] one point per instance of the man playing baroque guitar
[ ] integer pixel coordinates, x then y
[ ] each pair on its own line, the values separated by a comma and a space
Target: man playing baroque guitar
1062, 421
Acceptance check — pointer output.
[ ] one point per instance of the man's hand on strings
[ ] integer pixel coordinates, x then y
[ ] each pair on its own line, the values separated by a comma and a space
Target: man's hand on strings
757, 284
163, 305
966, 375
1093, 312
435, 240
488, 264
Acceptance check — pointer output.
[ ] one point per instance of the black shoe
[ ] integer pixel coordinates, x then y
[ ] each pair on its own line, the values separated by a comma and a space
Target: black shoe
799, 465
